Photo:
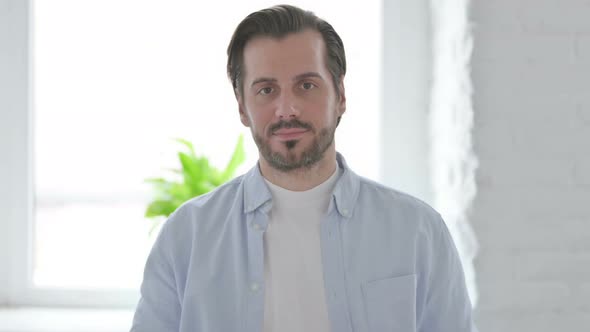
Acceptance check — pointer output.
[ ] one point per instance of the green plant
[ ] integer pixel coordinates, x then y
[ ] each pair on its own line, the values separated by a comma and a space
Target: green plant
197, 177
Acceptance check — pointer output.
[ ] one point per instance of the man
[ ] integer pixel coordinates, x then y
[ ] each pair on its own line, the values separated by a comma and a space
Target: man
300, 242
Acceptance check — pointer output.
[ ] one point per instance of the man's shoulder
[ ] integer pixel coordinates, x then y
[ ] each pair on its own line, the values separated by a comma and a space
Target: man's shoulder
390, 201
392, 197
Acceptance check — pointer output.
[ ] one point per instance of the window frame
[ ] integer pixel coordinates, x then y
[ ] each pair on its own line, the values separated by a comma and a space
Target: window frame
15, 148
16, 175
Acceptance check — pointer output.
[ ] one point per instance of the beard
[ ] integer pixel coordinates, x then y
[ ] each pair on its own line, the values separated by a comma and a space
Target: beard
291, 161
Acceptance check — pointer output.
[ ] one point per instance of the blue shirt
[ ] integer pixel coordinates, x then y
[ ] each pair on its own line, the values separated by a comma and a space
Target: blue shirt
389, 263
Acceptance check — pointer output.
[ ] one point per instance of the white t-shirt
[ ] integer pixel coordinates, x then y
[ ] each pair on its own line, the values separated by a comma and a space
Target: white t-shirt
294, 282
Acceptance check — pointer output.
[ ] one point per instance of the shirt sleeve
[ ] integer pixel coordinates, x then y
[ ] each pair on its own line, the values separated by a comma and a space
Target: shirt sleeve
447, 306
158, 309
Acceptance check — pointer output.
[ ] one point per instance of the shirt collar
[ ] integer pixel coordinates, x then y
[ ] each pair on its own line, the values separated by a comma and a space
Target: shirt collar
256, 193
346, 190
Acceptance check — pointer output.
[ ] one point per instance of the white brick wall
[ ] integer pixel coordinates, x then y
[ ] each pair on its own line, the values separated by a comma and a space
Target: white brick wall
531, 76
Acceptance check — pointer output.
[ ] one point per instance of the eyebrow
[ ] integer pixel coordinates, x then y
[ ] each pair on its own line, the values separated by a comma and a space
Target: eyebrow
307, 75
263, 79
296, 78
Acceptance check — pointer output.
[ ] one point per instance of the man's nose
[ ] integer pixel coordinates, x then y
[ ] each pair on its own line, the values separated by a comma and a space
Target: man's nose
287, 106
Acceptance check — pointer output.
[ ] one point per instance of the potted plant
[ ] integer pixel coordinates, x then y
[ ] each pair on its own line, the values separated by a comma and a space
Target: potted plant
195, 177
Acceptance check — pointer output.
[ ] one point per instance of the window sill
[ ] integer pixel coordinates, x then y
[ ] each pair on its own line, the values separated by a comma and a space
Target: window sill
64, 320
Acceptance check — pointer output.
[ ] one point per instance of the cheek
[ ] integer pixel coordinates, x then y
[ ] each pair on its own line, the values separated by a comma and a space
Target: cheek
258, 121
326, 113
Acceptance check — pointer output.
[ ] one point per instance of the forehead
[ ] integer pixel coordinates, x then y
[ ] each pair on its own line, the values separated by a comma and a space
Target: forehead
287, 56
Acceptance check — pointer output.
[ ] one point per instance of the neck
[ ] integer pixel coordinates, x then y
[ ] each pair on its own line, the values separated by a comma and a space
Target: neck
301, 179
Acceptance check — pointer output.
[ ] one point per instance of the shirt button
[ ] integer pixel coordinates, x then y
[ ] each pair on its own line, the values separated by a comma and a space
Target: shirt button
254, 287
345, 212
256, 227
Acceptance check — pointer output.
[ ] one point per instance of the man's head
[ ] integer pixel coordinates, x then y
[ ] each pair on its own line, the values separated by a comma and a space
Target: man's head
277, 22
287, 68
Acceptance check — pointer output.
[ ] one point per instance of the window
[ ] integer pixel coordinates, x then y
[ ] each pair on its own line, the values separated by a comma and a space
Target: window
108, 84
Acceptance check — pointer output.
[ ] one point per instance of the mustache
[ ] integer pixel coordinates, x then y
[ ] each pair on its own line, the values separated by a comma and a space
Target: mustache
282, 124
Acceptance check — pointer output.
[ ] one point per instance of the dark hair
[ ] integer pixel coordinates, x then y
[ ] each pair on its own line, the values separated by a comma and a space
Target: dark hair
277, 22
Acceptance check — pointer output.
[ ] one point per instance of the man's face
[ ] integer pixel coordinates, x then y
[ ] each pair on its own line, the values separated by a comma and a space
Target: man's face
288, 99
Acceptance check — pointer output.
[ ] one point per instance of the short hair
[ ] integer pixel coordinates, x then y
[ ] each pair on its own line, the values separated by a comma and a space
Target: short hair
277, 22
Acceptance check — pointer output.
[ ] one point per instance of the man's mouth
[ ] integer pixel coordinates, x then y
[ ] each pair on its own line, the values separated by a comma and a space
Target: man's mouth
286, 134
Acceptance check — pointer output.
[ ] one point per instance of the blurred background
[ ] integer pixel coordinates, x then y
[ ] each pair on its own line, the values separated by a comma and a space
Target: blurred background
480, 108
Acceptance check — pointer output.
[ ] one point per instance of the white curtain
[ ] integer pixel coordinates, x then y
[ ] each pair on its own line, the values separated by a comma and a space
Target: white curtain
451, 116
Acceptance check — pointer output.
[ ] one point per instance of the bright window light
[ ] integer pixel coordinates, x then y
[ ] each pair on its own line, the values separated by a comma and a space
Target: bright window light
115, 81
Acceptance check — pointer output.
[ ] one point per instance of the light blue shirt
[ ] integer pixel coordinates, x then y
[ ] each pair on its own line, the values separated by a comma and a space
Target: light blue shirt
389, 263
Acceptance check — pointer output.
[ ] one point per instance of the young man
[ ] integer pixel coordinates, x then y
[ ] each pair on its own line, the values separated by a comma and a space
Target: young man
300, 243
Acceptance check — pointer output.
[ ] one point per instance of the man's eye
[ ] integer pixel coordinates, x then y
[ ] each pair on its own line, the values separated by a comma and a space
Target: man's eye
307, 86
265, 91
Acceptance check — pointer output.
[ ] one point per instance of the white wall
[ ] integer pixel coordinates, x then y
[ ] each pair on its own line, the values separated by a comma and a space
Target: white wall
406, 82
531, 75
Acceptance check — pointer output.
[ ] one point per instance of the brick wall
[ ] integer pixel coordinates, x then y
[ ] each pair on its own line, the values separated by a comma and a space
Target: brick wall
531, 76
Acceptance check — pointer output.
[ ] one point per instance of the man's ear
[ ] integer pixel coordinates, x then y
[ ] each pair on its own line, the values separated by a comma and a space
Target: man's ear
342, 97
243, 116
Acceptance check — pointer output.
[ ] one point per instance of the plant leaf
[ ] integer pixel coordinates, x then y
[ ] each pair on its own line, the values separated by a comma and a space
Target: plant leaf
190, 168
160, 208
179, 192
188, 144
196, 177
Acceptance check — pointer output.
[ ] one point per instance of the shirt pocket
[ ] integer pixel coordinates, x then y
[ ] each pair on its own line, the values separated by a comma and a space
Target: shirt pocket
390, 304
